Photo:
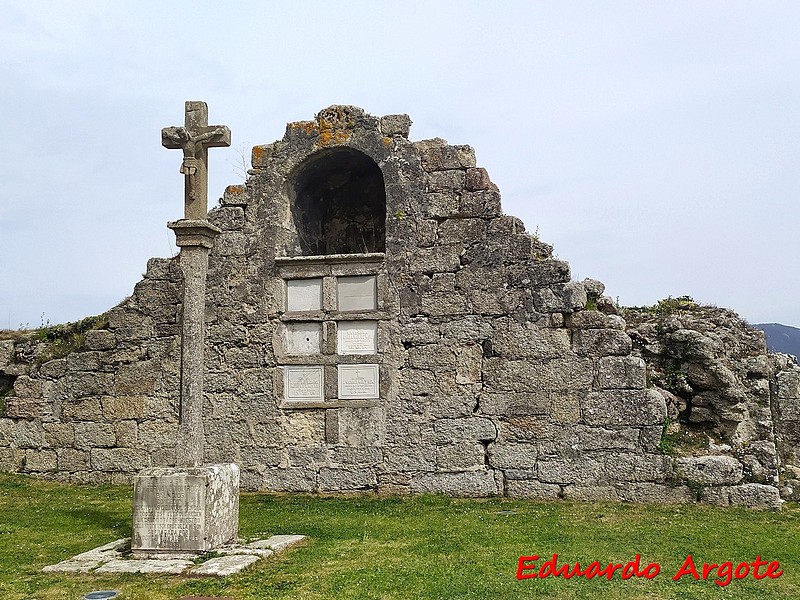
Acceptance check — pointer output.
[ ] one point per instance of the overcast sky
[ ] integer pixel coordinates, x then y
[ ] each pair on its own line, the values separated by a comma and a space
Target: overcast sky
655, 144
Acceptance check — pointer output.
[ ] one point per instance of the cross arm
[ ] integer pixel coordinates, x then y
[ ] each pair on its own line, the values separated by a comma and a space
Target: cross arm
214, 136
174, 137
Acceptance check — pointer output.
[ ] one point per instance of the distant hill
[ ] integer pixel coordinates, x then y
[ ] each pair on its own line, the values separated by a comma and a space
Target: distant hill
781, 338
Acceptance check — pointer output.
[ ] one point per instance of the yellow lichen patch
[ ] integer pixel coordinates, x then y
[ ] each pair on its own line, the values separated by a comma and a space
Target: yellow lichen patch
235, 190
335, 126
328, 136
258, 156
309, 127
387, 141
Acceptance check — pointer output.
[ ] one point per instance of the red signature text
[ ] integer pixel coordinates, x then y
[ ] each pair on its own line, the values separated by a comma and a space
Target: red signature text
550, 568
530, 567
725, 572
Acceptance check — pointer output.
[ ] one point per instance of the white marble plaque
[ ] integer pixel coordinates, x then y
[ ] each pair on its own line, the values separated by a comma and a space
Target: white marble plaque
304, 338
358, 381
303, 294
303, 382
357, 293
357, 337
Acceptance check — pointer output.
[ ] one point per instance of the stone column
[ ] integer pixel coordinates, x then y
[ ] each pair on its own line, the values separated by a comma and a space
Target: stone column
195, 238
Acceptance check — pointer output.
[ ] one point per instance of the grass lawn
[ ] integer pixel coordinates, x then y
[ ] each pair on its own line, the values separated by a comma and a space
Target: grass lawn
415, 547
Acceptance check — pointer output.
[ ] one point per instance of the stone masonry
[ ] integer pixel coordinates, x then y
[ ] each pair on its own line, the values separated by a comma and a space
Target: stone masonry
376, 323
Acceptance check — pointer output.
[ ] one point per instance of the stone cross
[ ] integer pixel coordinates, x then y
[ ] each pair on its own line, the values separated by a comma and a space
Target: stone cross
195, 138
195, 237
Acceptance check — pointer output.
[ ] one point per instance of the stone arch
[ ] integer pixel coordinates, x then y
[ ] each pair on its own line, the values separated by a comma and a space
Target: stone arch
338, 203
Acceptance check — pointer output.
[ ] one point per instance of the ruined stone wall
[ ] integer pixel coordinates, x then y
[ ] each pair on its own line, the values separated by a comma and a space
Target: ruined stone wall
494, 373
730, 403
785, 404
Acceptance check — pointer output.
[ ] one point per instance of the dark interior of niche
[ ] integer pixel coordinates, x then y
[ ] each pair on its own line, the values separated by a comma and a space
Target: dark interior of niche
339, 203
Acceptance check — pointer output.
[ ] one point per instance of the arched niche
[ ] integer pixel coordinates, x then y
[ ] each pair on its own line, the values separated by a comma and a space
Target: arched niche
339, 203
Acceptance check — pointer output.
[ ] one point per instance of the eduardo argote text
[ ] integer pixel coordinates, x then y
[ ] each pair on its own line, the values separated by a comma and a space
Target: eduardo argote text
529, 567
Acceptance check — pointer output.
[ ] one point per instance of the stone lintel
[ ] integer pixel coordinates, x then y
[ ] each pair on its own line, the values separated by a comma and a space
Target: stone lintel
194, 232
374, 257
334, 403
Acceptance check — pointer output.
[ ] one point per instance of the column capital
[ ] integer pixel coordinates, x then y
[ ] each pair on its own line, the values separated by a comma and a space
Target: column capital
194, 232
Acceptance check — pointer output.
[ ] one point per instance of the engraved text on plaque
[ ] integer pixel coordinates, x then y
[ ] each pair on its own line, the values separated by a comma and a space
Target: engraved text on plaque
358, 381
357, 337
303, 382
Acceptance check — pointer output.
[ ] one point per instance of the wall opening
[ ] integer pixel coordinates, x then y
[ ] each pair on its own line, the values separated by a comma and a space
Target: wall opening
6, 389
339, 203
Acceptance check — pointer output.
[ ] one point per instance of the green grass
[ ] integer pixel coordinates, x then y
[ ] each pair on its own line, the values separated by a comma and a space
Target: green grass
59, 340
420, 547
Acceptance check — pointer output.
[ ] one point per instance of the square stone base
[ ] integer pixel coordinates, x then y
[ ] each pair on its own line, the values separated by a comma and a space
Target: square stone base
185, 509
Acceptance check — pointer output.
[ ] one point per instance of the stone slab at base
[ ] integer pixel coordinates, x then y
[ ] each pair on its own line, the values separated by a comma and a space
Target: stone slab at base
86, 561
276, 543
172, 567
222, 566
185, 509
114, 558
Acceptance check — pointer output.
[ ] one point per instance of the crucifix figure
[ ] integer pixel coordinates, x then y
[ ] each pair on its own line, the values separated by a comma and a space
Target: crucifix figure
195, 138
195, 237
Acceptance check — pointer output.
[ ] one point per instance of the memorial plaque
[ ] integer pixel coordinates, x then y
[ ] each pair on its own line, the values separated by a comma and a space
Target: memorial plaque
303, 338
303, 294
357, 337
357, 293
358, 381
303, 383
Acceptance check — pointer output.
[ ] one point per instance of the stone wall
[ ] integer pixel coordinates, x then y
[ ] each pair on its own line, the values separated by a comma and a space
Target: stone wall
785, 404
106, 410
730, 418
492, 371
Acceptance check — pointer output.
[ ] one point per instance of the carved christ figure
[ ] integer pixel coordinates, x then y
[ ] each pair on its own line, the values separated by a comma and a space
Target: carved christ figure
193, 149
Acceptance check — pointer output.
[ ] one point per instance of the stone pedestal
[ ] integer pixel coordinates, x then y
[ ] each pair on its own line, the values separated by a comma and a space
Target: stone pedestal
185, 510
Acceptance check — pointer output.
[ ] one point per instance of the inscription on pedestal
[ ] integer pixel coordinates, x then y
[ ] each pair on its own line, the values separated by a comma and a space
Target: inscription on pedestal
303, 294
358, 381
357, 293
170, 513
357, 337
303, 338
303, 382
